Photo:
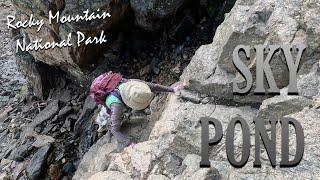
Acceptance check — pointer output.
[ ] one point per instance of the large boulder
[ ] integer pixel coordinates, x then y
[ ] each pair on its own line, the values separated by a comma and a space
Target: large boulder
270, 22
174, 136
308, 167
279, 106
37, 165
71, 59
219, 170
95, 159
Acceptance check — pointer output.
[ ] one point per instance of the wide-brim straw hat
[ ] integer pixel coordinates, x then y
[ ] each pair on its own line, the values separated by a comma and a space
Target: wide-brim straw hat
136, 95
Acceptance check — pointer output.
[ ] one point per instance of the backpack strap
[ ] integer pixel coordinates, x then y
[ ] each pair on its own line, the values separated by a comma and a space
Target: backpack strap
117, 94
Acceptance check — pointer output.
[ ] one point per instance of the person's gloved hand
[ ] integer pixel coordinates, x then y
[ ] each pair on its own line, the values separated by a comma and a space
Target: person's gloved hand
178, 87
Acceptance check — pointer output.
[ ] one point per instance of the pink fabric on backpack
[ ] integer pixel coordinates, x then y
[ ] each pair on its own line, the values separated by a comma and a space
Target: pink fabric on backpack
104, 85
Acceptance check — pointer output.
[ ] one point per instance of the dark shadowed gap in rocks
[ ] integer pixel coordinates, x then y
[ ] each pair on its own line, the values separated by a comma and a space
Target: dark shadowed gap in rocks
161, 56
158, 57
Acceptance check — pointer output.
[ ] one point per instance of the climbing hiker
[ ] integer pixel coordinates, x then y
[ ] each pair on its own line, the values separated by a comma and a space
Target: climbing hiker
116, 93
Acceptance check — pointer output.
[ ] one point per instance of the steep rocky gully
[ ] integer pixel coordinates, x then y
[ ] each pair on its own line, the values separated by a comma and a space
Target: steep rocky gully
46, 125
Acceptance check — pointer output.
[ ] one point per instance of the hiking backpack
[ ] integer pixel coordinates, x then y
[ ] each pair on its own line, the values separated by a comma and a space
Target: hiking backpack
103, 85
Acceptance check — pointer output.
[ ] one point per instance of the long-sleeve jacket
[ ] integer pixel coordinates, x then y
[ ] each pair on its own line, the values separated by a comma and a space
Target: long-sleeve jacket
117, 110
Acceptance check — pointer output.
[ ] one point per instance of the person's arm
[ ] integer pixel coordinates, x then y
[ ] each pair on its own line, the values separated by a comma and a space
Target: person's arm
154, 87
116, 119
159, 88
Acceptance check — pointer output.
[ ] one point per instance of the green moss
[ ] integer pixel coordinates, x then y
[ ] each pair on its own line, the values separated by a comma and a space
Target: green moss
24, 90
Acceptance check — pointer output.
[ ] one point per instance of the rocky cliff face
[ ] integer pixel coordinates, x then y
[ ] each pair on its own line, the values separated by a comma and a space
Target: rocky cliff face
169, 137
252, 23
78, 60
72, 59
172, 149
